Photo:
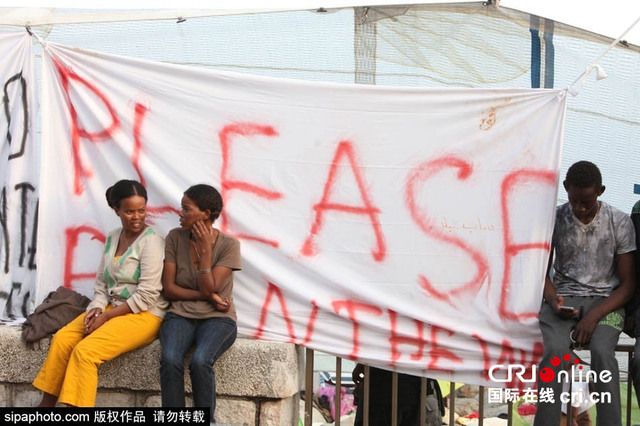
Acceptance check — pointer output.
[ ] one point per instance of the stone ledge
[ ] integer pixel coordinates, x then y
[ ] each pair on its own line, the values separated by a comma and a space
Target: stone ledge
251, 368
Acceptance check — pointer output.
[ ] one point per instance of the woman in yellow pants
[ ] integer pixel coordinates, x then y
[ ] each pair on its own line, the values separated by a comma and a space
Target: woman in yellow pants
126, 311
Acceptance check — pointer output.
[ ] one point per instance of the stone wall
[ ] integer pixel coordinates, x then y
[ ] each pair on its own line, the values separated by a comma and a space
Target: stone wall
257, 383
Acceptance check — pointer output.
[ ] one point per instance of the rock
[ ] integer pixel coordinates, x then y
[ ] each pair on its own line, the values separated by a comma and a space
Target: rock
468, 391
237, 412
466, 406
115, 399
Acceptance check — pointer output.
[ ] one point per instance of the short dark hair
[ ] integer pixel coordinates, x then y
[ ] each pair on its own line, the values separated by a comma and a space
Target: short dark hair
206, 197
124, 189
584, 174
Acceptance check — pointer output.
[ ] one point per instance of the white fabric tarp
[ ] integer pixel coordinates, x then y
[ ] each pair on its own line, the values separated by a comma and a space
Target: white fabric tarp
401, 227
19, 174
610, 19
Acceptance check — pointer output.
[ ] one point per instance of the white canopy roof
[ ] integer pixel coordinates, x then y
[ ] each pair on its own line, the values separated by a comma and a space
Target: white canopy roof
609, 18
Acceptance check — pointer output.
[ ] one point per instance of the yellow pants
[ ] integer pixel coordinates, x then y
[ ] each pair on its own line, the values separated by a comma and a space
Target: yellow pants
70, 371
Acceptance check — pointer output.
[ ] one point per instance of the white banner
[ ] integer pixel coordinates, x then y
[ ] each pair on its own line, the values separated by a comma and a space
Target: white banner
19, 171
402, 227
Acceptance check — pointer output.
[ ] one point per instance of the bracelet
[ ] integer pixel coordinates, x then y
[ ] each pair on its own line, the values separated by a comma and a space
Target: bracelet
204, 271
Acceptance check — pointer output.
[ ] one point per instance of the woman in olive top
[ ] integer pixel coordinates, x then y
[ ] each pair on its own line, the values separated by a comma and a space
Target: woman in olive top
198, 279
126, 311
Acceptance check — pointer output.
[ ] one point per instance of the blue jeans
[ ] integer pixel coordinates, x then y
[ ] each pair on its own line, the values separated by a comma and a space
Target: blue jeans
212, 337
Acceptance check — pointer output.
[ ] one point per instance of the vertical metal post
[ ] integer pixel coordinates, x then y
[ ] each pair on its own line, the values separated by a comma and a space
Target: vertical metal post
452, 403
308, 387
365, 398
423, 401
569, 406
338, 395
510, 413
481, 406
394, 399
629, 384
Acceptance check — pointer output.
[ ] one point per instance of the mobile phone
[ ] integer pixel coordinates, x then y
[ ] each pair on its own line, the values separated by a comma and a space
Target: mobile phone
567, 308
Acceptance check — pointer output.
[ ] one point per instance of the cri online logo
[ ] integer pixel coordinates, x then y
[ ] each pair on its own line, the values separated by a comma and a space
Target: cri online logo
519, 371
547, 374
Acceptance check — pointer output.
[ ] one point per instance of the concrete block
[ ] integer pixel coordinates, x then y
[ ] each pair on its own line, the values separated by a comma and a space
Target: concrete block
115, 399
26, 396
156, 401
235, 412
17, 363
135, 370
262, 369
250, 368
4, 396
283, 412
152, 401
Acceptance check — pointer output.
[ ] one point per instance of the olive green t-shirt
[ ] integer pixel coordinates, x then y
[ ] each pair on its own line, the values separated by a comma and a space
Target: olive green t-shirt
226, 252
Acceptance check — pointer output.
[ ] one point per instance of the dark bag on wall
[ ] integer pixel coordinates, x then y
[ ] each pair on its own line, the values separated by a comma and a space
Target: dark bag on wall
58, 309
